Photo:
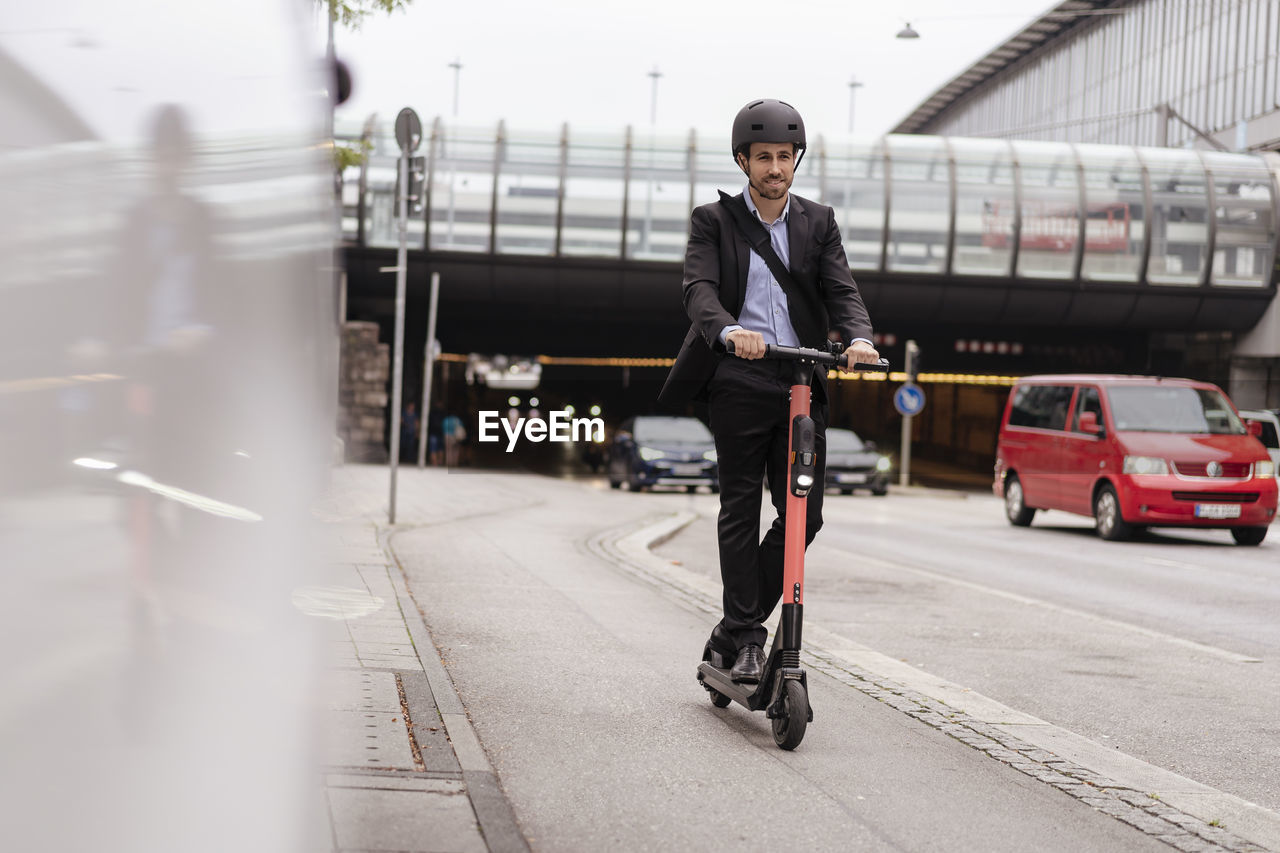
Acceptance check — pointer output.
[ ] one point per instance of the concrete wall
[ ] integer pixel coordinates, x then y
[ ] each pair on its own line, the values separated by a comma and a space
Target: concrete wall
362, 392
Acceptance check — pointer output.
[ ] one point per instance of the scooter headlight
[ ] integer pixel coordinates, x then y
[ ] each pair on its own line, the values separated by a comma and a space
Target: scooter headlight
804, 481
648, 454
1145, 465
1264, 470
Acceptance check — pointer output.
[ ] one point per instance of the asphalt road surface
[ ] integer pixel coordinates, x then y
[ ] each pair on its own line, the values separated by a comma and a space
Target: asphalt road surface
1166, 647
578, 677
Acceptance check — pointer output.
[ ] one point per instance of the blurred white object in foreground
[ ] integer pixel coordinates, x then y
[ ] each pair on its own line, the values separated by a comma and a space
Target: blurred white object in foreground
166, 363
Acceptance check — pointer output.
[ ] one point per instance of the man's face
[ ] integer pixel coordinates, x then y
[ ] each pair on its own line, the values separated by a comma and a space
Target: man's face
770, 168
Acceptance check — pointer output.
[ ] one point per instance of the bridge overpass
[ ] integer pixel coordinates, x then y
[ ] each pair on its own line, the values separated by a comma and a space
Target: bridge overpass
999, 256
568, 242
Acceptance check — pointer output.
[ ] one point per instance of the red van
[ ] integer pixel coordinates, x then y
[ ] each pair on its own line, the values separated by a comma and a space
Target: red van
1133, 452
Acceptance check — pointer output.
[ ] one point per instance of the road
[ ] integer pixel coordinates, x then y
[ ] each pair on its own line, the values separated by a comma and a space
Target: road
1167, 647
577, 670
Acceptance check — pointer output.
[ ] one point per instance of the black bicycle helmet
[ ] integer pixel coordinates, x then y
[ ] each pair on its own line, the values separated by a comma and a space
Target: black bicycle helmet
768, 120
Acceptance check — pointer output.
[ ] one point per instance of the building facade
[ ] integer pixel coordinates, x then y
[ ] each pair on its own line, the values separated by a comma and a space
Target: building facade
1187, 74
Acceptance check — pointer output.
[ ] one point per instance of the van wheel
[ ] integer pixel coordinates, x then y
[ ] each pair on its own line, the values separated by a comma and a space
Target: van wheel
1015, 505
1248, 535
1107, 519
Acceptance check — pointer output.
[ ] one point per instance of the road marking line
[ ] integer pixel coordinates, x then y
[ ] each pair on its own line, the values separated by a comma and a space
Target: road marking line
1150, 633
1173, 564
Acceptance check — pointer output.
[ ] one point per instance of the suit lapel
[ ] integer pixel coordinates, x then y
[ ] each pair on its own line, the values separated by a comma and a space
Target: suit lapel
742, 252
797, 237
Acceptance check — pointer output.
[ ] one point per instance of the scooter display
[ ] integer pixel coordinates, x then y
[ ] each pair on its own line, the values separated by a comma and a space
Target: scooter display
783, 690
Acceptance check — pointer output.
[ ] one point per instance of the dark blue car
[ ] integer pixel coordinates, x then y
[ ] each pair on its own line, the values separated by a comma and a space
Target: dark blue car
653, 450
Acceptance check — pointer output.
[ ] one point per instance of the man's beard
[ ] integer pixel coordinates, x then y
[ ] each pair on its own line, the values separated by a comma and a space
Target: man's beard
773, 193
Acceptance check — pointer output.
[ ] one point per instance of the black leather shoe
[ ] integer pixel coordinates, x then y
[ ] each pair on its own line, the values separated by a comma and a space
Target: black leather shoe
720, 650
750, 665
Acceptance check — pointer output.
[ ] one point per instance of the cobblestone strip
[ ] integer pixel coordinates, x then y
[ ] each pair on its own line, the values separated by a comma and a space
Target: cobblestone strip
1149, 815
1136, 808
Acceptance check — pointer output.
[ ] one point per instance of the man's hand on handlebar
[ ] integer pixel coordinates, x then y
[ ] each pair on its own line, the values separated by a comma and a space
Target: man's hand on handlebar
748, 344
862, 352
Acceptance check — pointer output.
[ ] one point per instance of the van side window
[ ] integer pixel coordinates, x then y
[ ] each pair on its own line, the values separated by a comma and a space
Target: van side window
1041, 406
1269, 437
1086, 401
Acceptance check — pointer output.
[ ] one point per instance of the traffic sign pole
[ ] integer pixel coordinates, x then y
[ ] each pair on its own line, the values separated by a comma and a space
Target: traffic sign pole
904, 467
408, 135
428, 369
909, 401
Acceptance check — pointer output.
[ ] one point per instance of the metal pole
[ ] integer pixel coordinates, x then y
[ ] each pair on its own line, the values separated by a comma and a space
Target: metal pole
904, 469
451, 149
653, 122
397, 363
910, 367
848, 169
424, 417
854, 85
456, 65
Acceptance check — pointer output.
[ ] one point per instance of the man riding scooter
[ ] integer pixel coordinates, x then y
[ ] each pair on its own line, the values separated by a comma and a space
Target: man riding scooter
764, 267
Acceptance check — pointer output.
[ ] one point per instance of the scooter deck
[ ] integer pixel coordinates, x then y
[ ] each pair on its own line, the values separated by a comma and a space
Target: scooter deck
753, 696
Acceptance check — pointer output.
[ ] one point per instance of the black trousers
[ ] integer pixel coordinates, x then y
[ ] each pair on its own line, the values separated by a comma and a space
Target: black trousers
750, 405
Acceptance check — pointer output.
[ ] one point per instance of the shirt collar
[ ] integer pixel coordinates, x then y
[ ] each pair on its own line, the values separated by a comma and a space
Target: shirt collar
751, 206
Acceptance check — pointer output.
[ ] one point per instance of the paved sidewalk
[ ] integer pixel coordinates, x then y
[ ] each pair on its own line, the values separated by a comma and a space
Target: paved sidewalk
403, 770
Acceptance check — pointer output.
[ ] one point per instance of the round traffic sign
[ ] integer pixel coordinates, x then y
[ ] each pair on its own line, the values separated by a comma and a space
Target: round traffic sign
909, 399
408, 130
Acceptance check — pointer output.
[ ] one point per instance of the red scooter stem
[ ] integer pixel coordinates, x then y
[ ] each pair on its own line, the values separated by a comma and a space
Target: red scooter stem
793, 542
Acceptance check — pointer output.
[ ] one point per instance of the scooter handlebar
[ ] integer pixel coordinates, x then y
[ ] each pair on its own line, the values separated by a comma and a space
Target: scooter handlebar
817, 356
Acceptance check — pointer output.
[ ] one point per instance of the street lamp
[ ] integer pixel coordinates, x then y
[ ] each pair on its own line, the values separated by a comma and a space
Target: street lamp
456, 65
854, 86
653, 123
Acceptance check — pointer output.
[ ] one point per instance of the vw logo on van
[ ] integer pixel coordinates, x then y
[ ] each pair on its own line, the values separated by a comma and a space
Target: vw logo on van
1213, 469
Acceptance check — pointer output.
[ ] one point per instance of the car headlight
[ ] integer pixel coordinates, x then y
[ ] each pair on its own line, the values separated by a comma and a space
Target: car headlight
1264, 470
648, 454
710, 456
1145, 465
883, 463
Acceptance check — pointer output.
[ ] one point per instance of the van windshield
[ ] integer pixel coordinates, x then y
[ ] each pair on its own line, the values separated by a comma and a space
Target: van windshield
1155, 408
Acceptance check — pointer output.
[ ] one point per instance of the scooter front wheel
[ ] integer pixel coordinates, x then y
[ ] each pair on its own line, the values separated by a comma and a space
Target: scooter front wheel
788, 729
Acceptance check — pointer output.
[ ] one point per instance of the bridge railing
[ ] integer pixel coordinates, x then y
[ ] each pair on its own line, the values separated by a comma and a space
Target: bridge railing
912, 205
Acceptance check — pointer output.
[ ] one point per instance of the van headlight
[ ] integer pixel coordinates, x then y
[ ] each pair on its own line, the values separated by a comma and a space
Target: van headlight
710, 456
883, 463
1264, 470
1145, 465
648, 454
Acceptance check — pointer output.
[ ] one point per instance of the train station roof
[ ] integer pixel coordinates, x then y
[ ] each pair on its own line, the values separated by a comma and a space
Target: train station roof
1054, 24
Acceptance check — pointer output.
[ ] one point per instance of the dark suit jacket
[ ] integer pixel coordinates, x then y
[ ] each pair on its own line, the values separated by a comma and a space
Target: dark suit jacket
715, 288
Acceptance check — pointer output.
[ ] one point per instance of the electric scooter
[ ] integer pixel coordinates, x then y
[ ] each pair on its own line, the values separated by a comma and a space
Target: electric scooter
783, 690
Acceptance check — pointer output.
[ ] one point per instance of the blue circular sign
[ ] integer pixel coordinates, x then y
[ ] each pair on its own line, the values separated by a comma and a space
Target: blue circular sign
909, 399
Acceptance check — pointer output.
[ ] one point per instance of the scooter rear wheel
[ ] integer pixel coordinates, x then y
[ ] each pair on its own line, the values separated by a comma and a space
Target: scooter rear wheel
719, 699
788, 730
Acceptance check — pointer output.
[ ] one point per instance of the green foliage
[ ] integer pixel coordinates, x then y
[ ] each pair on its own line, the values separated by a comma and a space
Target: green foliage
350, 155
351, 13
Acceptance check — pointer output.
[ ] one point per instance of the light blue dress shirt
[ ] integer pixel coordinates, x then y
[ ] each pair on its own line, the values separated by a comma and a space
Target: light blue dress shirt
765, 308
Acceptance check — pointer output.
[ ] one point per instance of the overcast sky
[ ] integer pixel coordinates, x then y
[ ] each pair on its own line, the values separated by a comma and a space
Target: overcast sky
587, 61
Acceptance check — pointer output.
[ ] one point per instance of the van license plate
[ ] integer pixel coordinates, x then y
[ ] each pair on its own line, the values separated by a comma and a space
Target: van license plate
1217, 510
686, 470
851, 478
